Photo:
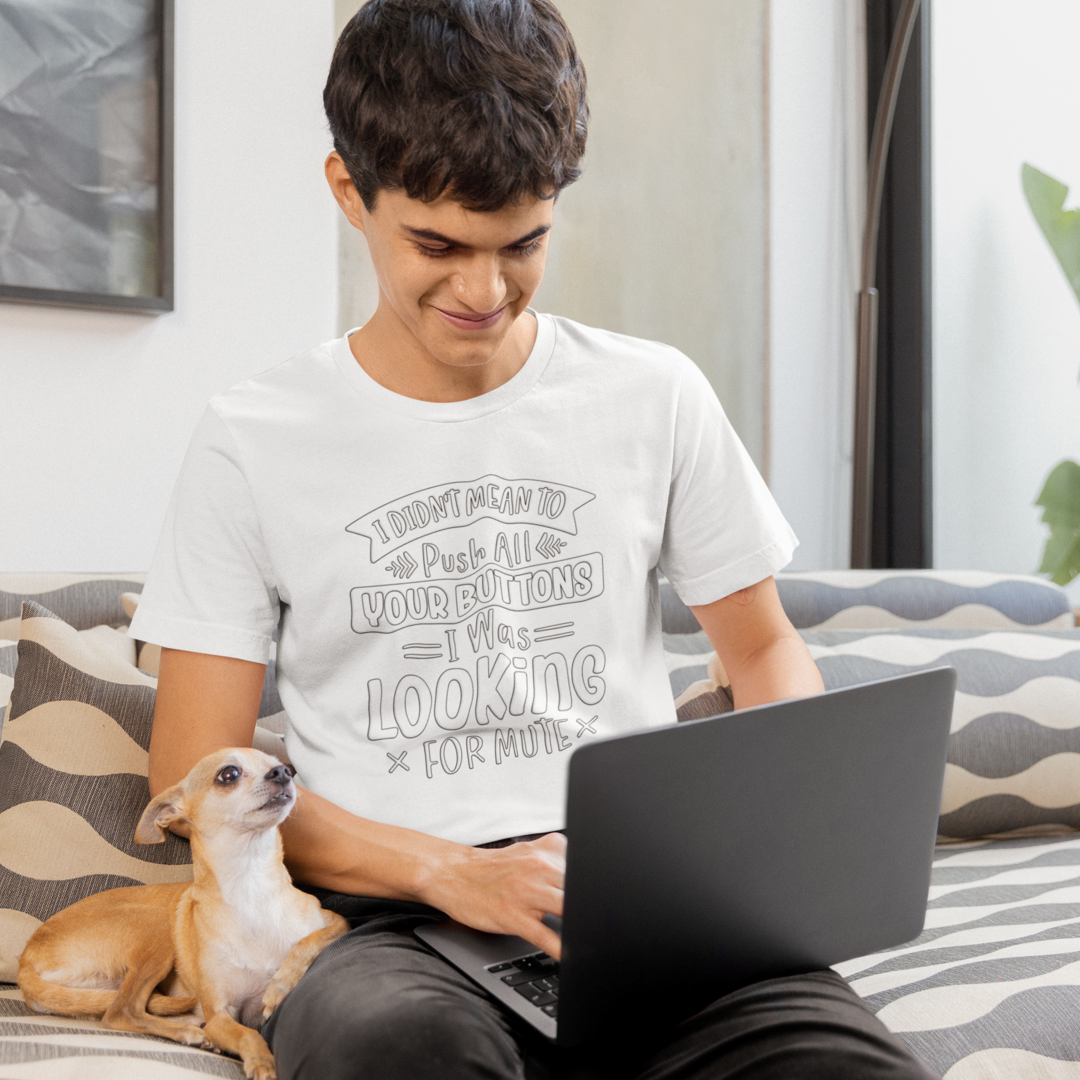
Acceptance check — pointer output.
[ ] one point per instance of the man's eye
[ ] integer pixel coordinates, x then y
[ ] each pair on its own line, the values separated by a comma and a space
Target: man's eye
229, 775
432, 253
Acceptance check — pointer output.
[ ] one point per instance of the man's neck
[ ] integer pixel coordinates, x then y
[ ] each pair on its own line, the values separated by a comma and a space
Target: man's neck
398, 361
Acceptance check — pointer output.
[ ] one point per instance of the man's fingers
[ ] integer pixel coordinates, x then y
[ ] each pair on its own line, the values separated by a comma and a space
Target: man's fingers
543, 937
555, 841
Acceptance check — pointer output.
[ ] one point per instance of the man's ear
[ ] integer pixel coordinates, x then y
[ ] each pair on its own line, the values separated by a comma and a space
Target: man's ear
348, 198
167, 808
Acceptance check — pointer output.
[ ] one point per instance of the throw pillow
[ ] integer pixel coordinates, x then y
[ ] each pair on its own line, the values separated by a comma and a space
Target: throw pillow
896, 599
82, 600
1014, 752
73, 764
9, 658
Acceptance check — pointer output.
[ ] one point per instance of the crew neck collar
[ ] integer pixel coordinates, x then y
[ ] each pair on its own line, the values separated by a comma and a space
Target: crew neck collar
451, 411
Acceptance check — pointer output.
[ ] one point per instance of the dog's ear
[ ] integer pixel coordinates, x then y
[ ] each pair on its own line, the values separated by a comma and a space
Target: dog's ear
159, 815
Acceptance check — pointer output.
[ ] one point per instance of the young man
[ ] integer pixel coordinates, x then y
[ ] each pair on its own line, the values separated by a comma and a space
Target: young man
454, 519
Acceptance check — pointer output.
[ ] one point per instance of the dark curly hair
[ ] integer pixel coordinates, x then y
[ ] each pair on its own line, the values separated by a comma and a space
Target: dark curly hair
483, 100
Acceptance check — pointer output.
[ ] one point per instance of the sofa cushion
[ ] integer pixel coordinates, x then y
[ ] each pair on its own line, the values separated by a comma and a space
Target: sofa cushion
9, 657
62, 1048
81, 600
73, 764
898, 599
991, 988
959, 599
1014, 751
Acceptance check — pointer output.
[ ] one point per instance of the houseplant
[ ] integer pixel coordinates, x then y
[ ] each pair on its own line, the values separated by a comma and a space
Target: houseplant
1060, 496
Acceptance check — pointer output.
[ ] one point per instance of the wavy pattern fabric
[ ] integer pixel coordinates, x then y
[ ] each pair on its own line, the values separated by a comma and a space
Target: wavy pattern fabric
9, 658
902, 599
845, 599
81, 600
69, 805
34, 1047
991, 988
1014, 752
94, 604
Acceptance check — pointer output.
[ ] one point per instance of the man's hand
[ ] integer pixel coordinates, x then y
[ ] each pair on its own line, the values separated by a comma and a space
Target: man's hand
503, 890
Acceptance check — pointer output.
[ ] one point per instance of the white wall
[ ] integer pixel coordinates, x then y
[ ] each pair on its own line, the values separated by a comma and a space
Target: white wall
1006, 324
663, 237
96, 408
817, 154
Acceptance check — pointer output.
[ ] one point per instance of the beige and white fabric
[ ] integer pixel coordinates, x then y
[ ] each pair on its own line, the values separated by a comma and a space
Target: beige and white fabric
904, 599
1014, 750
9, 659
899, 599
36, 1047
991, 988
81, 600
73, 765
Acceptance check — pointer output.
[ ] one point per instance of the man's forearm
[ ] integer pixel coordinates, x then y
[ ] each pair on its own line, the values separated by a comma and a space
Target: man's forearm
782, 669
761, 651
333, 849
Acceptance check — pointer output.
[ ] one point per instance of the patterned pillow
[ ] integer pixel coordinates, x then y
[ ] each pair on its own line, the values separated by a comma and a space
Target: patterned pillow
9, 657
895, 599
898, 599
1014, 753
73, 763
81, 600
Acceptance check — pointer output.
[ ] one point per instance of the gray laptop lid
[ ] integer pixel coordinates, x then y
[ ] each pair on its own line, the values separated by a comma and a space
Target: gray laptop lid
713, 854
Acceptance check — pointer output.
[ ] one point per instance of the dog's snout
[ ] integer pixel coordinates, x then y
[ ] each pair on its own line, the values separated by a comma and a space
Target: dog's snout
280, 774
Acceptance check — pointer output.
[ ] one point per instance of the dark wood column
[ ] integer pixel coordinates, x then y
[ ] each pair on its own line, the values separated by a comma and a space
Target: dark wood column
902, 524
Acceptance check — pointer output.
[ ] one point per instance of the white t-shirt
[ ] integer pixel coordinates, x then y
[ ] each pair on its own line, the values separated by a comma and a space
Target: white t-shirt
464, 592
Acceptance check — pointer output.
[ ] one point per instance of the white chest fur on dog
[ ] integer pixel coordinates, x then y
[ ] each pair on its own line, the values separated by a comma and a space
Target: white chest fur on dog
237, 938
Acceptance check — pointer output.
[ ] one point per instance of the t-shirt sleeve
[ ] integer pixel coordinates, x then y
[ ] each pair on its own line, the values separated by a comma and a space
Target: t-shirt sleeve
724, 530
210, 587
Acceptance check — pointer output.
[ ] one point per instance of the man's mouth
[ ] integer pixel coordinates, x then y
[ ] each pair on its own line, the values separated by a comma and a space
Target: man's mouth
471, 320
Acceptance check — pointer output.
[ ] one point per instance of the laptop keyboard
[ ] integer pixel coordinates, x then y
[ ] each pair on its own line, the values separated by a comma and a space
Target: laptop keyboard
535, 977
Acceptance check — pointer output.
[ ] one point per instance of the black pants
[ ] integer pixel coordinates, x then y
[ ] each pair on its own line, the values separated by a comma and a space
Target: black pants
378, 1005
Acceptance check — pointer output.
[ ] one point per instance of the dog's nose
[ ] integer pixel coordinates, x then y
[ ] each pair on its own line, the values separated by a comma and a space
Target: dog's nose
280, 774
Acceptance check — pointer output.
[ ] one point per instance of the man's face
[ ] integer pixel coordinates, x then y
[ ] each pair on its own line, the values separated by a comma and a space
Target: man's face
456, 279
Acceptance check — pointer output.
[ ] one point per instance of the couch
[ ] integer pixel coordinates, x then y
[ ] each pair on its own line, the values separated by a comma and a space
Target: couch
990, 989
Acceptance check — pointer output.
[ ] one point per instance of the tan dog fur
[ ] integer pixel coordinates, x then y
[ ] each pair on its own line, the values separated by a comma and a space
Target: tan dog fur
236, 939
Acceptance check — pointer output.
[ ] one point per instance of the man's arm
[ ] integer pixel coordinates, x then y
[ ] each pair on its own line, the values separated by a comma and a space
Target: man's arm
761, 651
205, 703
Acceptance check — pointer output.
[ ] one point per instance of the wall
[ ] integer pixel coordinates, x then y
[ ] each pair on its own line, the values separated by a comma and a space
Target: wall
817, 154
96, 409
663, 236
1006, 324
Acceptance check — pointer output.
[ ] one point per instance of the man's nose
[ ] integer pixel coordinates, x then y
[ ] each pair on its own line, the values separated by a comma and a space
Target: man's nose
481, 285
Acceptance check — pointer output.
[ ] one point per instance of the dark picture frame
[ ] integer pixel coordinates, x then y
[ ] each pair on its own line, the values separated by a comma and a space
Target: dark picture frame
47, 159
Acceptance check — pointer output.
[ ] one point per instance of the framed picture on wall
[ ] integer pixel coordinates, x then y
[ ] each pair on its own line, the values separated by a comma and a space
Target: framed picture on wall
86, 207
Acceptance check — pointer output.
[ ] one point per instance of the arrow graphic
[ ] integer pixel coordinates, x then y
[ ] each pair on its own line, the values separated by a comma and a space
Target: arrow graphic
404, 566
549, 545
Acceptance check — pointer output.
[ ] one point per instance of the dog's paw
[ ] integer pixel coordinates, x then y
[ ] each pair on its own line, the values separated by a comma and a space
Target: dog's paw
190, 1035
260, 1067
276, 993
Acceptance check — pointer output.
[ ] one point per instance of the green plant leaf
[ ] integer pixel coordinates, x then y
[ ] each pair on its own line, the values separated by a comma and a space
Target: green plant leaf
1061, 227
1060, 497
1060, 500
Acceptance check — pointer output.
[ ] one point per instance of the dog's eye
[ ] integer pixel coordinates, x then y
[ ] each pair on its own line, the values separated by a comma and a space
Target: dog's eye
229, 775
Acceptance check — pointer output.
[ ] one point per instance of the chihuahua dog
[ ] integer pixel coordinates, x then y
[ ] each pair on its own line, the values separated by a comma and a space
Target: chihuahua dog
224, 948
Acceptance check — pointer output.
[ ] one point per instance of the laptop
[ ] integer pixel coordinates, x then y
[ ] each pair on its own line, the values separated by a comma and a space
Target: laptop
710, 855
